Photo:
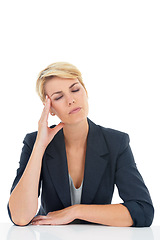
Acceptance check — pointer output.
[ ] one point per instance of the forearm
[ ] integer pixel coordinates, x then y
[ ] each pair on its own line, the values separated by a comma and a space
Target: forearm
112, 215
23, 202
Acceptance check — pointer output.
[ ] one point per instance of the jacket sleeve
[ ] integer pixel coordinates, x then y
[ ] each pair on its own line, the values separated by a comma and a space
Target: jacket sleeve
25, 155
132, 188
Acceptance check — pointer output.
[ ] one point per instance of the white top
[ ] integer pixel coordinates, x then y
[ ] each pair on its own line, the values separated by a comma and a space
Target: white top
75, 192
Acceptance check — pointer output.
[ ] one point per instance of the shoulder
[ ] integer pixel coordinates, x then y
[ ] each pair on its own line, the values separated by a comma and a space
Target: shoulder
113, 133
114, 138
30, 139
107, 132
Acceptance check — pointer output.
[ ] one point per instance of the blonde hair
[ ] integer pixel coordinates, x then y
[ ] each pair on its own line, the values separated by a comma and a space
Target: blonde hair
58, 69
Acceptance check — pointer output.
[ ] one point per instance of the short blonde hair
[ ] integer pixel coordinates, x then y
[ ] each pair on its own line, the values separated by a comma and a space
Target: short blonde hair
58, 69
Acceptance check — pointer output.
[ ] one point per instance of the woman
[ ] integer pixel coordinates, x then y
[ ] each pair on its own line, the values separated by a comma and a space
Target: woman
76, 163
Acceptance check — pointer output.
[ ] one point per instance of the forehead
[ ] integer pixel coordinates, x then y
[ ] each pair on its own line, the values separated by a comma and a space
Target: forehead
58, 84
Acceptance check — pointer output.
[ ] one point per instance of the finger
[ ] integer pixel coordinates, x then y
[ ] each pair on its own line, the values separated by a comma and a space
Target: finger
46, 108
43, 222
45, 112
37, 218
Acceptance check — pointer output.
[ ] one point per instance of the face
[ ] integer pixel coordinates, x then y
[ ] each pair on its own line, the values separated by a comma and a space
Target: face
69, 100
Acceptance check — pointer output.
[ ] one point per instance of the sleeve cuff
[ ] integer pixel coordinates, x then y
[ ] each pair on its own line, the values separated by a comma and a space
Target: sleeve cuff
137, 214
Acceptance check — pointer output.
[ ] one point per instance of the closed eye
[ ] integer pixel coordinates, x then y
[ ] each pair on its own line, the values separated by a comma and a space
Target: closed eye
58, 98
62, 95
75, 90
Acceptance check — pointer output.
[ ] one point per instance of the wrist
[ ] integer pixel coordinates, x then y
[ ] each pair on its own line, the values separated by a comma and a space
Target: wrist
76, 211
39, 146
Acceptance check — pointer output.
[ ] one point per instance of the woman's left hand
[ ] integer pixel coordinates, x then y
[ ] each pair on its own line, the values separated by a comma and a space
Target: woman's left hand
59, 217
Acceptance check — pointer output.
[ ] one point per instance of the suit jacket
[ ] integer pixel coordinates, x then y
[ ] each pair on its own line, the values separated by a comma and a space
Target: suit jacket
109, 162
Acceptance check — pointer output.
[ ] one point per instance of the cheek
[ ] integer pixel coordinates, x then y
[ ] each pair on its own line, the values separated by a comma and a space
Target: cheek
82, 95
84, 101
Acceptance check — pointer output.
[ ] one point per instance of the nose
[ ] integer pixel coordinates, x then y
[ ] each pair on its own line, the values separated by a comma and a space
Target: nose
70, 101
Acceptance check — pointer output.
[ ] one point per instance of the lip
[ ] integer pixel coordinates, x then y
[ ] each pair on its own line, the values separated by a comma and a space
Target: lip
75, 110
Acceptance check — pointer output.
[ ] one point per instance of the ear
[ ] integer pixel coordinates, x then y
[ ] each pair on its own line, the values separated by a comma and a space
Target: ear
52, 111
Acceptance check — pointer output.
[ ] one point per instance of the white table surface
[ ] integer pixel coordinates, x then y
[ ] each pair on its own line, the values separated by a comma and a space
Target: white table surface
77, 232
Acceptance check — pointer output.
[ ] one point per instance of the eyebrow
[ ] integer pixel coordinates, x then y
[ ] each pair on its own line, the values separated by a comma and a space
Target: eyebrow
61, 91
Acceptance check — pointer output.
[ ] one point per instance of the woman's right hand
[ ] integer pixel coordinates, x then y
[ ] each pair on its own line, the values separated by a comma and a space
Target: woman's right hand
45, 133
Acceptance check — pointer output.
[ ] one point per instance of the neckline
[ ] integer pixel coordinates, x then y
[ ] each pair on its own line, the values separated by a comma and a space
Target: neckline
73, 183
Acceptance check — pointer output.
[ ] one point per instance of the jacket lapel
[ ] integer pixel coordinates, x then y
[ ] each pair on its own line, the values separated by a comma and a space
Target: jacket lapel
95, 164
58, 167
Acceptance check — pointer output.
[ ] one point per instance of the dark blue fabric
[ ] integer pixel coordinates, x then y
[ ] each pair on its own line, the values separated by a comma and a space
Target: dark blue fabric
109, 162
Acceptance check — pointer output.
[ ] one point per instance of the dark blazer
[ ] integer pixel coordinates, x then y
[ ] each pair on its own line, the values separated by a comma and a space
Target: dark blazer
109, 162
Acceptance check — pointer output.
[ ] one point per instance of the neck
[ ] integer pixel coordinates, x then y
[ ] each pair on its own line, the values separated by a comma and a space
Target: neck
76, 135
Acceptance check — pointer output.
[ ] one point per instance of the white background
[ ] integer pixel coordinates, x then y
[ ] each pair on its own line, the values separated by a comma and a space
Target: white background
116, 46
